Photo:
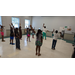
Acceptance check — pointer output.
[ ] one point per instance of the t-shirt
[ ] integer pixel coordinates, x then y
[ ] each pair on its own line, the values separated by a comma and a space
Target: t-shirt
39, 37
17, 34
11, 33
56, 36
44, 29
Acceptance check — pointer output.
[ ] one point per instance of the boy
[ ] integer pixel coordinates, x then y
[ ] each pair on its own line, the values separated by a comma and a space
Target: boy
17, 39
55, 37
11, 35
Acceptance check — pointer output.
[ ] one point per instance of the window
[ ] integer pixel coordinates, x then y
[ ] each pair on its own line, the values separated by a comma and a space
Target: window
27, 23
15, 22
0, 21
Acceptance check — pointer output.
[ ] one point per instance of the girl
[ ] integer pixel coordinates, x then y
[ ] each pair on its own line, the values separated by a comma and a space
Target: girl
20, 32
2, 33
11, 34
56, 35
44, 31
33, 33
39, 41
28, 34
17, 39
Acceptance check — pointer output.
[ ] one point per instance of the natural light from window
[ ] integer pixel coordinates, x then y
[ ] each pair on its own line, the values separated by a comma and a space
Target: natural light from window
15, 22
27, 23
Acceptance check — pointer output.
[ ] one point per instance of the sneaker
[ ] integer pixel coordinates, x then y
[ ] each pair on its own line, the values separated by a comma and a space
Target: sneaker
10, 43
13, 43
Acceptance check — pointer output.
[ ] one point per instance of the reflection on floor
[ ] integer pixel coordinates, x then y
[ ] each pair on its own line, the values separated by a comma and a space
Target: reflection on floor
63, 49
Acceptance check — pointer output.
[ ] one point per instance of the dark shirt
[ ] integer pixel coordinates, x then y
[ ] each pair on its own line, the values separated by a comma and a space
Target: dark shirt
17, 34
11, 33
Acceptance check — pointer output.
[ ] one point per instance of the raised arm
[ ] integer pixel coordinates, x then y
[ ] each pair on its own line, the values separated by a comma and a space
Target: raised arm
32, 28
43, 25
53, 31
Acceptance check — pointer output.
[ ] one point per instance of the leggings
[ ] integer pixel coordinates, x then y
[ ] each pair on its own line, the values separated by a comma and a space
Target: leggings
44, 35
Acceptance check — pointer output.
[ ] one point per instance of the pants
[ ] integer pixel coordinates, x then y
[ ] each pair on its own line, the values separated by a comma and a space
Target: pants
18, 43
44, 35
73, 55
54, 43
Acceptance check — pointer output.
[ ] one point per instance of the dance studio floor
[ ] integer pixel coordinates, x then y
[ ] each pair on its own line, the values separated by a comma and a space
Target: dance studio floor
63, 49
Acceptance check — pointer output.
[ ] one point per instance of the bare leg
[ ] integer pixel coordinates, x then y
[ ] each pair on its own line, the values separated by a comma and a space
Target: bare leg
36, 49
12, 41
29, 39
39, 51
2, 37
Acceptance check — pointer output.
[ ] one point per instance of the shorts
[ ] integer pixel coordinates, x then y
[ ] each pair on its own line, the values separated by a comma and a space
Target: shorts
2, 33
11, 38
28, 35
38, 43
52, 34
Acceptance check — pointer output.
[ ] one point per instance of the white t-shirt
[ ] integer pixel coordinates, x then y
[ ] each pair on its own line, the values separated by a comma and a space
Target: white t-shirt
44, 29
56, 36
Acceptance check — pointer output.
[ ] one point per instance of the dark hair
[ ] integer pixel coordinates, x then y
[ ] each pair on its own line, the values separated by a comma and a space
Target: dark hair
16, 29
56, 31
44, 26
39, 32
1, 26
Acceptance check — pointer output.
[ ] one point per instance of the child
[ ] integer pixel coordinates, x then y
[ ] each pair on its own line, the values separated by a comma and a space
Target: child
73, 55
39, 41
2, 33
74, 40
55, 37
11, 34
20, 32
44, 31
17, 39
33, 33
28, 34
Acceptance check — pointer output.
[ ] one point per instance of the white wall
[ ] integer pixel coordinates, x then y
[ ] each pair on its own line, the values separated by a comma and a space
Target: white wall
6, 20
54, 22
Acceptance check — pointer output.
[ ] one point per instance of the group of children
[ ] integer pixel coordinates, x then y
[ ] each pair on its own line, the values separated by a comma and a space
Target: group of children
29, 32
17, 33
